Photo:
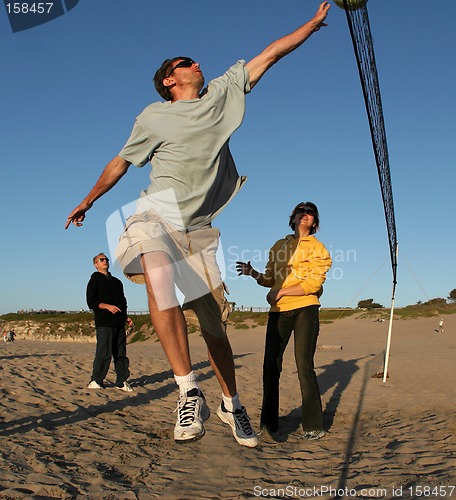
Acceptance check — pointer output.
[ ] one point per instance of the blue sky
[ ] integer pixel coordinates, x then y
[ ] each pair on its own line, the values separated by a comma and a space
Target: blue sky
72, 88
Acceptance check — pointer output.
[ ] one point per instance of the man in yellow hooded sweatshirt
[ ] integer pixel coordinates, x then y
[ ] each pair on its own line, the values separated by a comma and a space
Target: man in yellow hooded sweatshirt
295, 272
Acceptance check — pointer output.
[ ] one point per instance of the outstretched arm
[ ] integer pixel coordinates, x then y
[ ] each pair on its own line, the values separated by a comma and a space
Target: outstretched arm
283, 46
112, 173
246, 269
263, 279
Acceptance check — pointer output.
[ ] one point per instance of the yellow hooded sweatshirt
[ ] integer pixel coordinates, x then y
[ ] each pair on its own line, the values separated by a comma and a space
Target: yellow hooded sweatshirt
304, 261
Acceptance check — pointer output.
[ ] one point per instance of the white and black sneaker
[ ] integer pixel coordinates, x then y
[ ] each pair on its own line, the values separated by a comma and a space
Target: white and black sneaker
192, 411
239, 422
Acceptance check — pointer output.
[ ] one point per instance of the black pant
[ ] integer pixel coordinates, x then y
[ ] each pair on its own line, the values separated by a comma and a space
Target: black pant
111, 343
305, 324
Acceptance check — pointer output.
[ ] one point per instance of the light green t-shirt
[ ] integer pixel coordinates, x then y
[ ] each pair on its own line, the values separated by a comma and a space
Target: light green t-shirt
193, 174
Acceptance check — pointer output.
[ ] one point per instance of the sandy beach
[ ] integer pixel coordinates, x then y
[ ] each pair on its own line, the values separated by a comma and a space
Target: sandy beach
385, 440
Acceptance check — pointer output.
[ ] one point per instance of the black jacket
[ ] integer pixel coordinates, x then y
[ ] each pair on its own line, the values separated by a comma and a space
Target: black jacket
106, 289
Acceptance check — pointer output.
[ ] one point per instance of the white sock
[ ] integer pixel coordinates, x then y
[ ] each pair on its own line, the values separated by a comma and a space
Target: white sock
232, 403
186, 382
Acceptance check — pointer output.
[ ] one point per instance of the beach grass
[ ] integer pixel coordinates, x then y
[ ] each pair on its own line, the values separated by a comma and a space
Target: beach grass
82, 323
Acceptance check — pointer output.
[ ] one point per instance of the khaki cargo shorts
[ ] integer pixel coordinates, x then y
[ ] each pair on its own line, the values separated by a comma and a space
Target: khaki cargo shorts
193, 256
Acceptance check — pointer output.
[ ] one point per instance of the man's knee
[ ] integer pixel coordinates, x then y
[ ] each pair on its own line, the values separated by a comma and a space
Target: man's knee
216, 340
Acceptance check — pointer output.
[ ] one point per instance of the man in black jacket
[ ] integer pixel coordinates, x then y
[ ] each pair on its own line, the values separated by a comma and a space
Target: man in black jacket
105, 296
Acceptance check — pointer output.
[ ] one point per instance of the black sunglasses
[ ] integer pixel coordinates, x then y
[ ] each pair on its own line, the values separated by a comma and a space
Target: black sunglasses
307, 211
102, 259
185, 63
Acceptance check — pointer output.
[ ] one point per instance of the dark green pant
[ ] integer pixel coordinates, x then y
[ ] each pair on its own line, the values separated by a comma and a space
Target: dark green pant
305, 324
111, 343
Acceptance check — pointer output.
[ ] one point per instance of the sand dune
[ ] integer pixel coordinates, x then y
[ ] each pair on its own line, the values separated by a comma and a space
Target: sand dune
60, 440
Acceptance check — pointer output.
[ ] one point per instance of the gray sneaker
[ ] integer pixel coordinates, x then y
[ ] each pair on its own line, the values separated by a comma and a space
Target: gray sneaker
192, 411
240, 425
315, 434
125, 387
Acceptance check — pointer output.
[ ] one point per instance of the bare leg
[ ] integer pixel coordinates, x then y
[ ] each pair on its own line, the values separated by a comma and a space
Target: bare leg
221, 358
170, 325
222, 362
165, 312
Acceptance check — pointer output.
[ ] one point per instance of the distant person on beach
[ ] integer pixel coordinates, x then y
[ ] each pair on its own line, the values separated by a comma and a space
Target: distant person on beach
441, 326
105, 296
295, 273
169, 240
9, 336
